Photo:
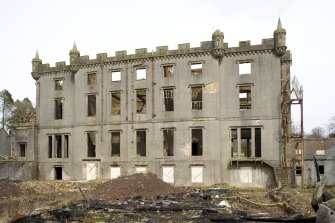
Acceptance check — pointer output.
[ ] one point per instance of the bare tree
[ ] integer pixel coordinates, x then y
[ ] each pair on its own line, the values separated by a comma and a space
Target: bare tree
317, 132
6, 106
331, 127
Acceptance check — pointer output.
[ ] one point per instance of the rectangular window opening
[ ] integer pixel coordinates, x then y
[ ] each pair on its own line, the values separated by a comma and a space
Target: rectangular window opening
91, 144
168, 99
321, 169
58, 144
245, 142
116, 75
196, 69
141, 101
116, 144
168, 70
141, 143
91, 105
197, 98
116, 103
233, 138
258, 142
58, 109
141, 74
91, 79
298, 170
58, 172
168, 142
59, 84
66, 146
22, 147
244, 68
245, 97
197, 145
49, 146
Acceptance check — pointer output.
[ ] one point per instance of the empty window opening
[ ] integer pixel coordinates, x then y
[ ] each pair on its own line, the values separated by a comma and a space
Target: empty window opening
116, 75
58, 109
141, 74
115, 172
168, 71
245, 142
168, 99
197, 173
197, 98
298, 170
116, 144
258, 142
59, 85
168, 174
58, 142
197, 142
58, 172
49, 146
168, 142
245, 97
116, 103
91, 105
22, 147
141, 169
233, 139
141, 143
321, 169
196, 69
91, 79
244, 68
141, 101
91, 144
66, 146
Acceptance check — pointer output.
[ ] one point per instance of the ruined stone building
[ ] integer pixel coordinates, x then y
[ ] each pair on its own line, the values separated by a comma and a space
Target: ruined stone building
209, 114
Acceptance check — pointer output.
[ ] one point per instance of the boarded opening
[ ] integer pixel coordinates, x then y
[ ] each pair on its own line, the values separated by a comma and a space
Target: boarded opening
168, 174
245, 142
49, 146
58, 109
116, 75
197, 173
116, 103
258, 142
58, 172
233, 139
168, 71
141, 74
58, 141
168, 142
58, 85
245, 97
168, 99
115, 172
116, 144
244, 68
196, 142
141, 143
91, 171
91, 105
22, 148
141, 101
197, 98
246, 175
91, 144
196, 69
91, 79
141, 169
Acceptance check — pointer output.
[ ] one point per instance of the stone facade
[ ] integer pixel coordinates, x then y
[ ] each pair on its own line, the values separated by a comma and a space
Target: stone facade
208, 115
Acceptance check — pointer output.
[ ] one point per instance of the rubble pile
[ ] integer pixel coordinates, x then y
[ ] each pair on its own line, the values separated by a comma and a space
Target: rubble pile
9, 189
137, 185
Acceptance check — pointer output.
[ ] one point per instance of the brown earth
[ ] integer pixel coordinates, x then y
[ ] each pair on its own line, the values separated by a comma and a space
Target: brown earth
9, 189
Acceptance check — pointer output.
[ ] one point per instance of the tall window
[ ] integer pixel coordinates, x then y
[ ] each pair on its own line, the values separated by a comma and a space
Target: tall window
116, 103
233, 138
168, 70
22, 149
245, 97
91, 105
250, 138
91, 79
58, 150
245, 142
168, 99
197, 145
58, 108
141, 142
91, 144
141, 101
116, 144
168, 142
58, 146
197, 98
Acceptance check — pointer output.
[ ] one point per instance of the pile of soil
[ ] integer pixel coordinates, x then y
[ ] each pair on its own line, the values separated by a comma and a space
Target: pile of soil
137, 185
9, 189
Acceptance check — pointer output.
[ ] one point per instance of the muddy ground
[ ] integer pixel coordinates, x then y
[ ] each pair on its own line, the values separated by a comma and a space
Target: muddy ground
145, 198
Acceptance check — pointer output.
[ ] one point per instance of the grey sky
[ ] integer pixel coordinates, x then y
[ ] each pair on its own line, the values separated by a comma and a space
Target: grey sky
103, 26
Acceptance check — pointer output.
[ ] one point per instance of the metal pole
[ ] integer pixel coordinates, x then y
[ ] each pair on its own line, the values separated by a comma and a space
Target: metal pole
302, 141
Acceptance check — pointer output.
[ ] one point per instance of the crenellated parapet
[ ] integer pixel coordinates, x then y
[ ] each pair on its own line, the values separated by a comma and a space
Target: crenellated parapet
216, 48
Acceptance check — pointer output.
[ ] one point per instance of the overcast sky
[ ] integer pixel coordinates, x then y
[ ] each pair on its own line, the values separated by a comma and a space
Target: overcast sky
106, 26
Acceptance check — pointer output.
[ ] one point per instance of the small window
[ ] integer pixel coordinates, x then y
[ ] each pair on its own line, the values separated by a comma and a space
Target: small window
197, 142
116, 75
321, 169
298, 170
168, 135
141, 143
197, 98
168, 70
168, 99
141, 101
58, 109
91, 144
116, 144
91, 79
91, 105
22, 147
244, 68
245, 97
116, 103
141, 74
196, 69
59, 84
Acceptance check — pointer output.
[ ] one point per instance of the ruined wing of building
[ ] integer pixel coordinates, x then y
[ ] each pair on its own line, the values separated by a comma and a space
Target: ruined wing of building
205, 115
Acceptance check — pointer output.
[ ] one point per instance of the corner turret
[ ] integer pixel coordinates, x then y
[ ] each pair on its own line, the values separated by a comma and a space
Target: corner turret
74, 54
217, 38
280, 40
36, 64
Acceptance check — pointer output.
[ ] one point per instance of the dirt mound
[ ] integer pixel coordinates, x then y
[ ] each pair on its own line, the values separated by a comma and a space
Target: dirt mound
9, 189
143, 185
